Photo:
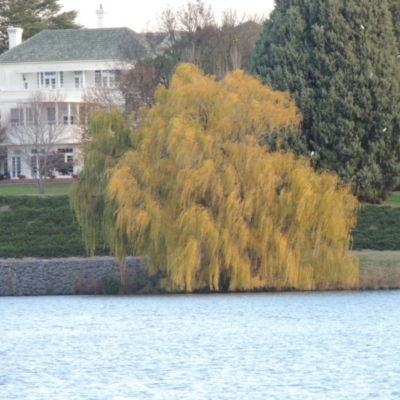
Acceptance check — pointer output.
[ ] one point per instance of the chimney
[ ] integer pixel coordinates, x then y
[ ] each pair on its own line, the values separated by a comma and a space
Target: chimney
14, 36
100, 16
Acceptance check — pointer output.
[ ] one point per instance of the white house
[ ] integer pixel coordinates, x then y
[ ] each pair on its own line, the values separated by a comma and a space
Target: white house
59, 65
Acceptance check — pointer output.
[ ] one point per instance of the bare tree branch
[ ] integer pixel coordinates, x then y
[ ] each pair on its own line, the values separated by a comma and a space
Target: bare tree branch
36, 127
216, 45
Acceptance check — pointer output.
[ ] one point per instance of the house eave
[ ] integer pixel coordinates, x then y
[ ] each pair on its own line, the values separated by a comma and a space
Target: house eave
74, 66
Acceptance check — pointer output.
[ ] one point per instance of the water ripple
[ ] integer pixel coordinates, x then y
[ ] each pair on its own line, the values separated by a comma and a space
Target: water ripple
247, 346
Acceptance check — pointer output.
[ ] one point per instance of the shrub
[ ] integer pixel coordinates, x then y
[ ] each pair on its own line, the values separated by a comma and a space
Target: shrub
111, 285
377, 228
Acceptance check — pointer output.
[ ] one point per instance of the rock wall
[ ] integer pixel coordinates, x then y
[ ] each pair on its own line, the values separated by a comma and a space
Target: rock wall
65, 276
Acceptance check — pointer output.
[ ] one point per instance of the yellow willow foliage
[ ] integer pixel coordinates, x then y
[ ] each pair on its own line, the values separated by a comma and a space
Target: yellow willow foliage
109, 139
210, 208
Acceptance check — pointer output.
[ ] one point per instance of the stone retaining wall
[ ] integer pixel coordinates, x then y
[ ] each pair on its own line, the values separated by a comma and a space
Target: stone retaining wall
64, 276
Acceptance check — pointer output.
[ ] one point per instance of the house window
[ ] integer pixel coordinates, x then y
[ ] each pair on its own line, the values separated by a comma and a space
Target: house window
21, 116
108, 78
17, 116
29, 117
15, 166
97, 78
78, 82
105, 78
68, 159
34, 165
50, 80
37, 161
70, 162
78, 79
51, 115
71, 120
5, 164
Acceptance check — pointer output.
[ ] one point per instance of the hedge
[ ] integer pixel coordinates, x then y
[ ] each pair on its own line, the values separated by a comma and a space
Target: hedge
33, 226
378, 228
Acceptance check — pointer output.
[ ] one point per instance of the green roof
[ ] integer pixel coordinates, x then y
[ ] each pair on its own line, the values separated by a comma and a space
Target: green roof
79, 44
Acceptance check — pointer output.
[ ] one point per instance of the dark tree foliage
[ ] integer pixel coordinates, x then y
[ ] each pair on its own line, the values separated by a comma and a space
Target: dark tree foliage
33, 16
338, 59
394, 7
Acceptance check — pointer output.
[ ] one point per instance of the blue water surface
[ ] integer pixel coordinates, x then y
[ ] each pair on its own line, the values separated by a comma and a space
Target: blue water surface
335, 345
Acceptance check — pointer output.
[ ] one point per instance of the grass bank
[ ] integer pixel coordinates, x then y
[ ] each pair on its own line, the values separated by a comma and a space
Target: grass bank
28, 190
39, 226
44, 227
378, 228
394, 200
379, 269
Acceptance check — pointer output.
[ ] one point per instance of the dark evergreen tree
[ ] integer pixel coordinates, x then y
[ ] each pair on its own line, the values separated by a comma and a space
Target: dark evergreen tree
33, 16
394, 7
338, 59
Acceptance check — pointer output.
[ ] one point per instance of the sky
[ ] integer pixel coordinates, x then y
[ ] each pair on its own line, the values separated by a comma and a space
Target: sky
142, 15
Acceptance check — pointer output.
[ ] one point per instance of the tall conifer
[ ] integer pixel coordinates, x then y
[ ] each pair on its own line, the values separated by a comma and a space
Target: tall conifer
338, 60
33, 16
394, 7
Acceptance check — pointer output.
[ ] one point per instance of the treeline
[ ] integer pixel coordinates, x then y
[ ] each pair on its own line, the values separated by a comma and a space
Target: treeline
337, 59
189, 34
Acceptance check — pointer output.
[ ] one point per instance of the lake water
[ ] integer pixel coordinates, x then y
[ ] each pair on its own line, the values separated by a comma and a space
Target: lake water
337, 345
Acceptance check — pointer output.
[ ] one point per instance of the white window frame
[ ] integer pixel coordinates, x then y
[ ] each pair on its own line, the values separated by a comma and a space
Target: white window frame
17, 117
50, 80
15, 166
51, 111
78, 80
105, 78
68, 158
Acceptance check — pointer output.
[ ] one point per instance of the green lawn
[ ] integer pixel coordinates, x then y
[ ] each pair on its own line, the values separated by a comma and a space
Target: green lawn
394, 200
18, 190
379, 269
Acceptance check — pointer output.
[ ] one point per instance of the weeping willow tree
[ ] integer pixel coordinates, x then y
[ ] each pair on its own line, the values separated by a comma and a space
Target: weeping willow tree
108, 138
195, 193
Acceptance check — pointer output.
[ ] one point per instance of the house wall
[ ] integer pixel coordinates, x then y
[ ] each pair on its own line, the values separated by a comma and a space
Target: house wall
19, 82
12, 83
25, 168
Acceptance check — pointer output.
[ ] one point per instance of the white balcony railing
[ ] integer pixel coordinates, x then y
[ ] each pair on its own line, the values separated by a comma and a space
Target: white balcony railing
34, 88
